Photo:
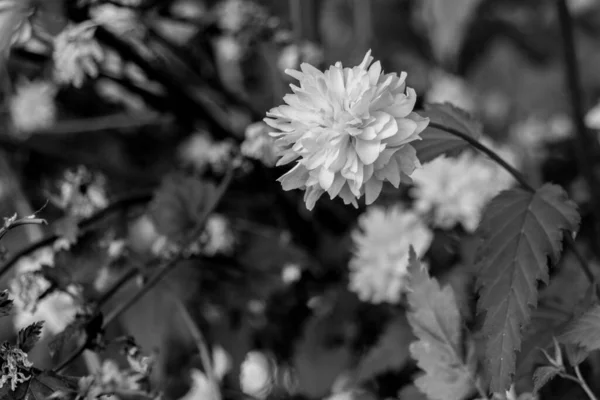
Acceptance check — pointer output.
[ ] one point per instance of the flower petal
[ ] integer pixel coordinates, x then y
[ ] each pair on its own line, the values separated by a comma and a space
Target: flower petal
372, 190
326, 178
367, 150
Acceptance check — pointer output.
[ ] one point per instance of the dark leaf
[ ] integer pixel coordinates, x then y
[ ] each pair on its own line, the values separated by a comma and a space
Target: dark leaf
6, 304
71, 333
543, 375
437, 142
29, 336
584, 331
41, 385
521, 231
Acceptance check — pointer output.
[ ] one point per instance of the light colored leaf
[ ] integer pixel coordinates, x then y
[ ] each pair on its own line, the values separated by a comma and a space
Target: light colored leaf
521, 231
437, 142
543, 375
584, 331
435, 319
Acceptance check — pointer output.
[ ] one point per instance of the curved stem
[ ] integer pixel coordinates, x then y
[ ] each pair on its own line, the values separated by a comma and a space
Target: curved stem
584, 385
585, 145
123, 202
488, 152
168, 266
158, 275
72, 357
203, 349
523, 182
126, 277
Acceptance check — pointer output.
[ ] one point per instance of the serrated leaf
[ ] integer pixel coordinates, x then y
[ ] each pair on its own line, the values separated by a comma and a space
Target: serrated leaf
521, 231
29, 336
584, 330
435, 319
436, 142
6, 304
543, 375
40, 386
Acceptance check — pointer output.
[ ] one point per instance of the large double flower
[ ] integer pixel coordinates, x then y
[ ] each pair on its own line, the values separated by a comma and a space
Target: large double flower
348, 130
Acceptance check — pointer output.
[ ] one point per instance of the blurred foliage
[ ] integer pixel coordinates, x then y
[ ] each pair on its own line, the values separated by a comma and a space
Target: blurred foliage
124, 117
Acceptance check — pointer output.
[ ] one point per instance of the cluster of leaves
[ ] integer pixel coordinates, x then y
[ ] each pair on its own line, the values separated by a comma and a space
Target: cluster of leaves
20, 380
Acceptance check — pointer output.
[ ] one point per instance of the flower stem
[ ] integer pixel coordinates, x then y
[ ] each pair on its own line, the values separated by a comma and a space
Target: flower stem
158, 275
84, 226
584, 385
205, 356
168, 266
585, 145
488, 152
523, 181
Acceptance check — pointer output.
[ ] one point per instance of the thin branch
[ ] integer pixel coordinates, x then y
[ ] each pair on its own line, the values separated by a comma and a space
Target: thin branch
70, 158
158, 275
114, 288
84, 226
584, 384
586, 146
72, 357
20, 222
105, 122
487, 151
523, 181
168, 266
186, 103
202, 346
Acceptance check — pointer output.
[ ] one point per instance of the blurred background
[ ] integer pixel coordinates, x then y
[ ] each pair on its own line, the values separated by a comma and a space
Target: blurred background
119, 117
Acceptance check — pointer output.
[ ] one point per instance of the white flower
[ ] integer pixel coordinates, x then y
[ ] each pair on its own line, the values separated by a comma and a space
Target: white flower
255, 376
218, 236
109, 378
221, 362
119, 20
455, 190
291, 273
201, 388
592, 118
351, 130
81, 193
259, 145
32, 108
451, 89
14, 366
76, 54
200, 151
378, 268
534, 133
579, 7
294, 54
229, 48
57, 310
